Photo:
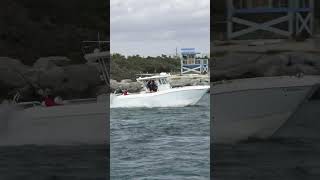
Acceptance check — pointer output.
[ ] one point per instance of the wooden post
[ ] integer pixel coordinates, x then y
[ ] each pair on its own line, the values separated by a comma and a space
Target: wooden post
250, 4
270, 4
311, 2
296, 5
201, 66
229, 18
291, 14
181, 63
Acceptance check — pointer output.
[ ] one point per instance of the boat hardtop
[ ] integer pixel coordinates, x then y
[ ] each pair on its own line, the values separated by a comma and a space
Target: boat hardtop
160, 76
161, 81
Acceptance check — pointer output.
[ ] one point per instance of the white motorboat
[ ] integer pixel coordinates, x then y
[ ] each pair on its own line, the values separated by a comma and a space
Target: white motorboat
165, 96
82, 122
256, 107
78, 121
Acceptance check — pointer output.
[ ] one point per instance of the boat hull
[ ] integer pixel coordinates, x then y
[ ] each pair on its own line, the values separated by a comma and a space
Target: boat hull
176, 97
57, 125
253, 113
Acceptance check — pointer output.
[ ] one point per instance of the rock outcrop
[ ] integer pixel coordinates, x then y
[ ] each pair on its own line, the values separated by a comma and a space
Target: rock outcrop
70, 81
189, 80
243, 65
11, 71
126, 84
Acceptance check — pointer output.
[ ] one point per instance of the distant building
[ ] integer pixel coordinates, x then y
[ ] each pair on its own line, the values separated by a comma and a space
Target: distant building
263, 19
192, 63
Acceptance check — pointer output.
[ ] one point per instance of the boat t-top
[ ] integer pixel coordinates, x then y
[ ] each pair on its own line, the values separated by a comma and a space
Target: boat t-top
157, 92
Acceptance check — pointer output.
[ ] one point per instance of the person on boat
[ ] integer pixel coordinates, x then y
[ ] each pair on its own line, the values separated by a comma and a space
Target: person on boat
153, 86
149, 85
125, 92
40, 92
58, 100
49, 100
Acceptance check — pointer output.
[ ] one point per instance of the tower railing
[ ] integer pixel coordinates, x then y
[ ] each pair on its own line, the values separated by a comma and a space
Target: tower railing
298, 14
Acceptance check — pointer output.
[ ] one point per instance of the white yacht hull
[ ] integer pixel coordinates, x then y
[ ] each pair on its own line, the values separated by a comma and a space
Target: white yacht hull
175, 97
254, 112
63, 125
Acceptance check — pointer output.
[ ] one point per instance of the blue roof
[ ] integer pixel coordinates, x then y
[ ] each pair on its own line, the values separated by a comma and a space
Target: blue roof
186, 53
188, 49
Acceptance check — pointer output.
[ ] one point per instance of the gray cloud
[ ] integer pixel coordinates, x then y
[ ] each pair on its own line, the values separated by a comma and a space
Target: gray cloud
155, 27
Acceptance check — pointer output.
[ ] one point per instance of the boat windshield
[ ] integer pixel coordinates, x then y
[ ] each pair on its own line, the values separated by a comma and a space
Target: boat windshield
158, 81
163, 81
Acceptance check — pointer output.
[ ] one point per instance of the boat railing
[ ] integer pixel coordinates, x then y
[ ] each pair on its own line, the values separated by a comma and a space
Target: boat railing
81, 101
16, 97
89, 47
141, 75
65, 102
29, 104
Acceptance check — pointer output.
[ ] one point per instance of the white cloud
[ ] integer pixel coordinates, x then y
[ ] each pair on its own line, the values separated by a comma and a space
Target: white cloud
155, 27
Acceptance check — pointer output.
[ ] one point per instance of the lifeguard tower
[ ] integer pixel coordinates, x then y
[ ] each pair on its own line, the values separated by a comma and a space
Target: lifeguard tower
190, 63
286, 18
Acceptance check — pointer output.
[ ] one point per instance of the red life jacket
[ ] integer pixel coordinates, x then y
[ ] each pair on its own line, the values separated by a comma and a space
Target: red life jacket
49, 101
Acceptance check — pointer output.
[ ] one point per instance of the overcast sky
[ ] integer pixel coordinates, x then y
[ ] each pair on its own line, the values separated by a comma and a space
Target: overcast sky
155, 27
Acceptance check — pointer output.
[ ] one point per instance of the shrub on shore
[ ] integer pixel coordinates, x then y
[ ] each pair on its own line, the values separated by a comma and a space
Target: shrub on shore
127, 67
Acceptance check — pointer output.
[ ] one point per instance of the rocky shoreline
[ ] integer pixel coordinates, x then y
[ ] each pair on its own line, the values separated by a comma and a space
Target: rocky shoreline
236, 65
83, 80
67, 80
56, 73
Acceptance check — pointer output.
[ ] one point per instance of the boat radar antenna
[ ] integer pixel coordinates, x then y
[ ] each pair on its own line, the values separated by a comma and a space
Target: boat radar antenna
98, 52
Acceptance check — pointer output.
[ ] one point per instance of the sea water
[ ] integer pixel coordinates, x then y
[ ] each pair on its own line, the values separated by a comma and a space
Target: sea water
36, 162
152, 143
161, 143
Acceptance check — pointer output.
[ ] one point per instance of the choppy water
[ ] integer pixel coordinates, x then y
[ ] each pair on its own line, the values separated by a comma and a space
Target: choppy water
161, 143
83, 162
